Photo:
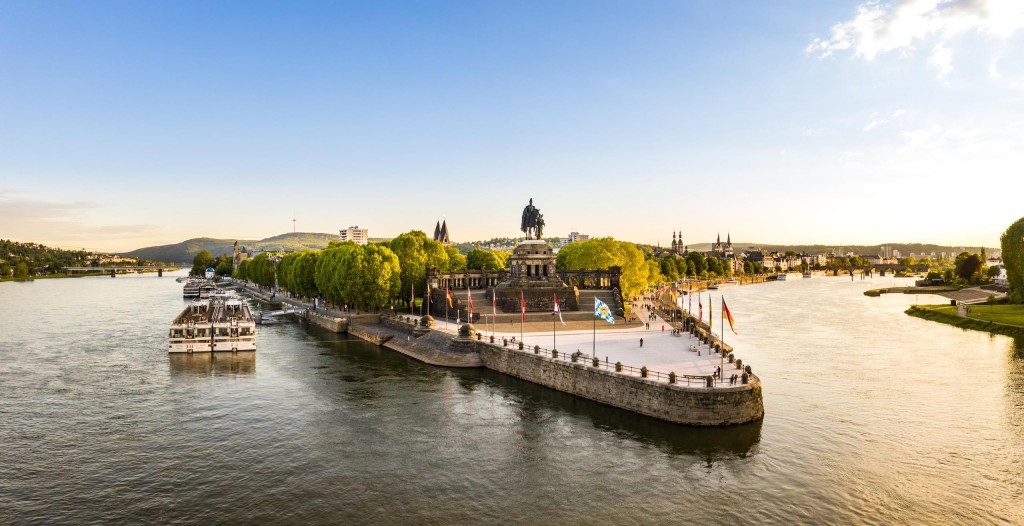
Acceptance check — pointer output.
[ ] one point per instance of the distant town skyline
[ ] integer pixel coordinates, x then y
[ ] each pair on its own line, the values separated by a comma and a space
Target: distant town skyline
132, 124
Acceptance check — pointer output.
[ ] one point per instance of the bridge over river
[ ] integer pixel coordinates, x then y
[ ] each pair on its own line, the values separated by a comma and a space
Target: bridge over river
114, 270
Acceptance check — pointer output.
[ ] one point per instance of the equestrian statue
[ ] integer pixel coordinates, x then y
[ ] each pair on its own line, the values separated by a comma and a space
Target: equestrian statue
533, 222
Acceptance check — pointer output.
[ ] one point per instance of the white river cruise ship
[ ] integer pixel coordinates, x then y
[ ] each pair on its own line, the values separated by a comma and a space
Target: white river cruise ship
213, 325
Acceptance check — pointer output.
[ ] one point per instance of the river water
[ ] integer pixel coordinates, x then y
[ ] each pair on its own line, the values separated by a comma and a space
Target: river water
871, 417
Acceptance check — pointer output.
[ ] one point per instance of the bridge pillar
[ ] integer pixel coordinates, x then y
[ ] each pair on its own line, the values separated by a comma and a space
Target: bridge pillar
113, 273
68, 271
159, 272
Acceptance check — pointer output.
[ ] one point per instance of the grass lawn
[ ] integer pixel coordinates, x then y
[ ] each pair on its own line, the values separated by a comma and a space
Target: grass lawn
1008, 314
998, 319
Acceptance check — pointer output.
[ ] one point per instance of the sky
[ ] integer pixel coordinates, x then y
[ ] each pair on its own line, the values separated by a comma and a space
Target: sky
839, 122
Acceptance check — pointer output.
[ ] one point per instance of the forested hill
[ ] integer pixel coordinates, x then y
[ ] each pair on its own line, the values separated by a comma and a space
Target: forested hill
38, 258
185, 251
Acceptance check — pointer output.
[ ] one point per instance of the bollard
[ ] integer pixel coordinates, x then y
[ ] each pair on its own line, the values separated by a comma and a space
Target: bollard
672, 377
643, 372
618, 367
731, 357
709, 381
574, 357
597, 362
745, 378
520, 346
478, 335
739, 364
747, 369
492, 338
504, 342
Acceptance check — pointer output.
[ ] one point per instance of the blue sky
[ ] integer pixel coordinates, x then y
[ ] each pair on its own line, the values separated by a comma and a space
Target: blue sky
126, 124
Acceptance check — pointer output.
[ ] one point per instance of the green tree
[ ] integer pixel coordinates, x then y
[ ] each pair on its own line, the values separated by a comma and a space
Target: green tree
605, 252
21, 271
993, 271
1012, 243
304, 274
329, 268
700, 264
242, 271
668, 267
481, 259
262, 270
966, 266
456, 261
5, 270
200, 263
415, 254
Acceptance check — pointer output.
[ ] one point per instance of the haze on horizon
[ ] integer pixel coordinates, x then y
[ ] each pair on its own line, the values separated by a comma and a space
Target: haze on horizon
130, 124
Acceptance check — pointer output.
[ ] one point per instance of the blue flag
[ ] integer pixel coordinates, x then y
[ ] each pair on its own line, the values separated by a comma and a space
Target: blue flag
602, 311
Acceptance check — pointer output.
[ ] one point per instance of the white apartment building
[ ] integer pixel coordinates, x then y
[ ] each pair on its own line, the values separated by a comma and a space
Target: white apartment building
354, 233
574, 236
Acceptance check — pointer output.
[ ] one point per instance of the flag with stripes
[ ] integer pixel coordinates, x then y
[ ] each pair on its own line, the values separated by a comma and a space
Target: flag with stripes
522, 302
558, 311
728, 316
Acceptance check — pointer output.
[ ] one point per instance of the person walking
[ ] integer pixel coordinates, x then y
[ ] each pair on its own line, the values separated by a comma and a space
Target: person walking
641, 343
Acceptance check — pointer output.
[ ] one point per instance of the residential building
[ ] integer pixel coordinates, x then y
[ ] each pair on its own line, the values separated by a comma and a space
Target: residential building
354, 233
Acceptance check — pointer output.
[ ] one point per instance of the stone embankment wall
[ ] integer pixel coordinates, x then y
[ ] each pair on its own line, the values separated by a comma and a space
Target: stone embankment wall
326, 322
700, 406
437, 348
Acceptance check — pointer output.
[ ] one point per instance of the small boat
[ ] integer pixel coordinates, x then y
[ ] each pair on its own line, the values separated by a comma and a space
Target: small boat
724, 285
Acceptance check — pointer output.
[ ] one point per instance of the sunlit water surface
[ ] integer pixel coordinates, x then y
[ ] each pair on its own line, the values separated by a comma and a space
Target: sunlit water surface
871, 417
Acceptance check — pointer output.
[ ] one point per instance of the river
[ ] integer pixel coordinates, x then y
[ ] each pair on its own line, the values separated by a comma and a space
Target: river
871, 417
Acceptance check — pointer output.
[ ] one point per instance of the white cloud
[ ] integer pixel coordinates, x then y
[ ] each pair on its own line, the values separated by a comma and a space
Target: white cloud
878, 121
941, 59
993, 69
879, 28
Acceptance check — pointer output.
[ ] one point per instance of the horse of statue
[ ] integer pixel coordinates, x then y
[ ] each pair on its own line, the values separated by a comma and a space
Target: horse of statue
533, 222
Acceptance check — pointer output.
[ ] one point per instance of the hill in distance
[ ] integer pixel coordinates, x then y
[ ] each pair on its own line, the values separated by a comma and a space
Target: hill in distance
861, 250
185, 251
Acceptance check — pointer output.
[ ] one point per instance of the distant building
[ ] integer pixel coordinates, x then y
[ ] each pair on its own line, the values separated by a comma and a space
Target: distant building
576, 236
678, 248
441, 233
721, 250
238, 255
1001, 278
354, 233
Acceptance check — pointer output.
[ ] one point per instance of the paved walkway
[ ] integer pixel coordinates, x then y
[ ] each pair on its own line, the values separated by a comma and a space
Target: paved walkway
662, 350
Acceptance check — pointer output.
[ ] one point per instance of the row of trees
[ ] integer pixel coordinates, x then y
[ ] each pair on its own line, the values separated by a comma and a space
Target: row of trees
365, 275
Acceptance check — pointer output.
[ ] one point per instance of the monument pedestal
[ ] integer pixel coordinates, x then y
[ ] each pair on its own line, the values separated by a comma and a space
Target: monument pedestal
532, 277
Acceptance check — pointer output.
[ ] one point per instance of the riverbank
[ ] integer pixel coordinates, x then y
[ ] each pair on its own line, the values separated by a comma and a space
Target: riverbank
976, 321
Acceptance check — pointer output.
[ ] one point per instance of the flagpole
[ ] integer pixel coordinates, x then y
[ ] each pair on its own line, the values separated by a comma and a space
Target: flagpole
722, 350
554, 331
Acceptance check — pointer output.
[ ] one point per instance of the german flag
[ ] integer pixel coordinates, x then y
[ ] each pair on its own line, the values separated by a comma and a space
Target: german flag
448, 296
728, 316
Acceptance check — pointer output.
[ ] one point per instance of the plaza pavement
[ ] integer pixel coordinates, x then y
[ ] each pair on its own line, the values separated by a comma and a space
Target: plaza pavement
662, 351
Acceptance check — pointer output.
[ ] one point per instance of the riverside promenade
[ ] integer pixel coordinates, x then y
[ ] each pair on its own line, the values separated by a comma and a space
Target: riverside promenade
663, 351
